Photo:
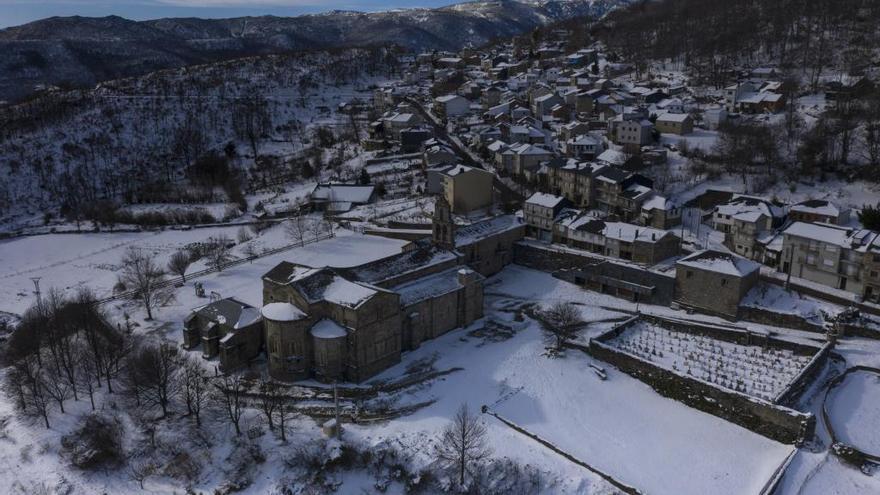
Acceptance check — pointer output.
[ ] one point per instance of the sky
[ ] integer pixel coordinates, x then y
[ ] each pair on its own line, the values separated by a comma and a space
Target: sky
15, 12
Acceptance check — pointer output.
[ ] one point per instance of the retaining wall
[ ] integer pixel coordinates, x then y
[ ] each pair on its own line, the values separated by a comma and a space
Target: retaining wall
597, 273
774, 421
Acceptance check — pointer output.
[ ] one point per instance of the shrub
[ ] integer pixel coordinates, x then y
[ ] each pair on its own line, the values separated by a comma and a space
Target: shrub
95, 443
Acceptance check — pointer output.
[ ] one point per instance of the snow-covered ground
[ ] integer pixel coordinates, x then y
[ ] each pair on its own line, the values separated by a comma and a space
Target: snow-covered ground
853, 409
70, 261
620, 426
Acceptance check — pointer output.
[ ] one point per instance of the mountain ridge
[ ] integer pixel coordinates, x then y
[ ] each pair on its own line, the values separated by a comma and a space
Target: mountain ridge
81, 51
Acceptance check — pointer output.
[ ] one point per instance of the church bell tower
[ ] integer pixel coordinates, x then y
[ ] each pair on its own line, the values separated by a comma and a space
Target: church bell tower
443, 225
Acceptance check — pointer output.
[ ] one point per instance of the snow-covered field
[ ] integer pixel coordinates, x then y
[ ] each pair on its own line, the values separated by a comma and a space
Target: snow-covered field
70, 261
620, 426
853, 409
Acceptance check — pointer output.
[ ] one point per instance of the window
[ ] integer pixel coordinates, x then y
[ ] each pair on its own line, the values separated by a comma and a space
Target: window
688, 274
723, 282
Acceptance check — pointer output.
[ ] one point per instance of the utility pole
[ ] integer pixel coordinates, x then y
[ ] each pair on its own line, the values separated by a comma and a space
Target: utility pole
336, 408
790, 267
36, 281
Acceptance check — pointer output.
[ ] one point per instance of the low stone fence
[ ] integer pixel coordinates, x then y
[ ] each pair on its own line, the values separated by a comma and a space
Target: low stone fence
829, 296
784, 320
773, 420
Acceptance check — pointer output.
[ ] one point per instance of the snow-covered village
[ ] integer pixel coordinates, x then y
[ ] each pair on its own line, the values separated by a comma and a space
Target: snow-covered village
495, 247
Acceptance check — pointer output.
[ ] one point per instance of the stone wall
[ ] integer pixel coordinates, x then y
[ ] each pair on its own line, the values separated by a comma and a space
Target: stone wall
774, 421
600, 274
772, 318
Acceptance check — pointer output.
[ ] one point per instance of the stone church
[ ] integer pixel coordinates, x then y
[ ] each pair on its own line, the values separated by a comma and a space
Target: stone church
352, 323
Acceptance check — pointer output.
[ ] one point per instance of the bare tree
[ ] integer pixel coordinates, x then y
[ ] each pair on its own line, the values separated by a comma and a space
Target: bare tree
194, 388
218, 253
230, 396
141, 470
561, 321
463, 443
151, 375
89, 370
179, 263
55, 386
142, 275
271, 400
25, 381
295, 228
283, 412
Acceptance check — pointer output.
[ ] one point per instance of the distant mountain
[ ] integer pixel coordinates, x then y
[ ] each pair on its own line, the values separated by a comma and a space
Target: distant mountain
83, 51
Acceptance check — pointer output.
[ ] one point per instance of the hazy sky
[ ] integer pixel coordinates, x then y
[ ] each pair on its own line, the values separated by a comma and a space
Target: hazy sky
15, 12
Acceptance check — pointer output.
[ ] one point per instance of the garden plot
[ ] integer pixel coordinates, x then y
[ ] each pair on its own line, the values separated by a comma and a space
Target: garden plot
754, 370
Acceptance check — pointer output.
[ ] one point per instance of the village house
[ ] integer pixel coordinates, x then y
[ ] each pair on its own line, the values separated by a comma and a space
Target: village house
831, 255
714, 282
437, 153
333, 198
632, 134
744, 219
660, 212
583, 147
528, 157
675, 123
617, 239
539, 213
465, 188
447, 106
818, 211
621, 193
572, 179
541, 105
394, 123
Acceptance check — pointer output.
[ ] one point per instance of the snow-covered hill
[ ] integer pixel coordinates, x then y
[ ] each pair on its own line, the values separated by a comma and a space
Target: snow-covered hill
83, 51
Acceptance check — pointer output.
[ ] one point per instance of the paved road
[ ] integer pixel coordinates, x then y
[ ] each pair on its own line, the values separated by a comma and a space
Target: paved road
469, 158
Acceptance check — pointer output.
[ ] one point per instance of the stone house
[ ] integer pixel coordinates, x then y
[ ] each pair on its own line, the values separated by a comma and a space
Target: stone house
465, 188
744, 220
871, 273
714, 282
541, 105
660, 212
227, 329
617, 239
487, 246
584, 147
437, 153
572, 179
334, 198
818, 211
621, 193
527, 156
675, 123
633, 134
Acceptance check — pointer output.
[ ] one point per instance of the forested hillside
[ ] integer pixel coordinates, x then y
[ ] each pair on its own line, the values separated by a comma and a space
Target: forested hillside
712, 37
142, 138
